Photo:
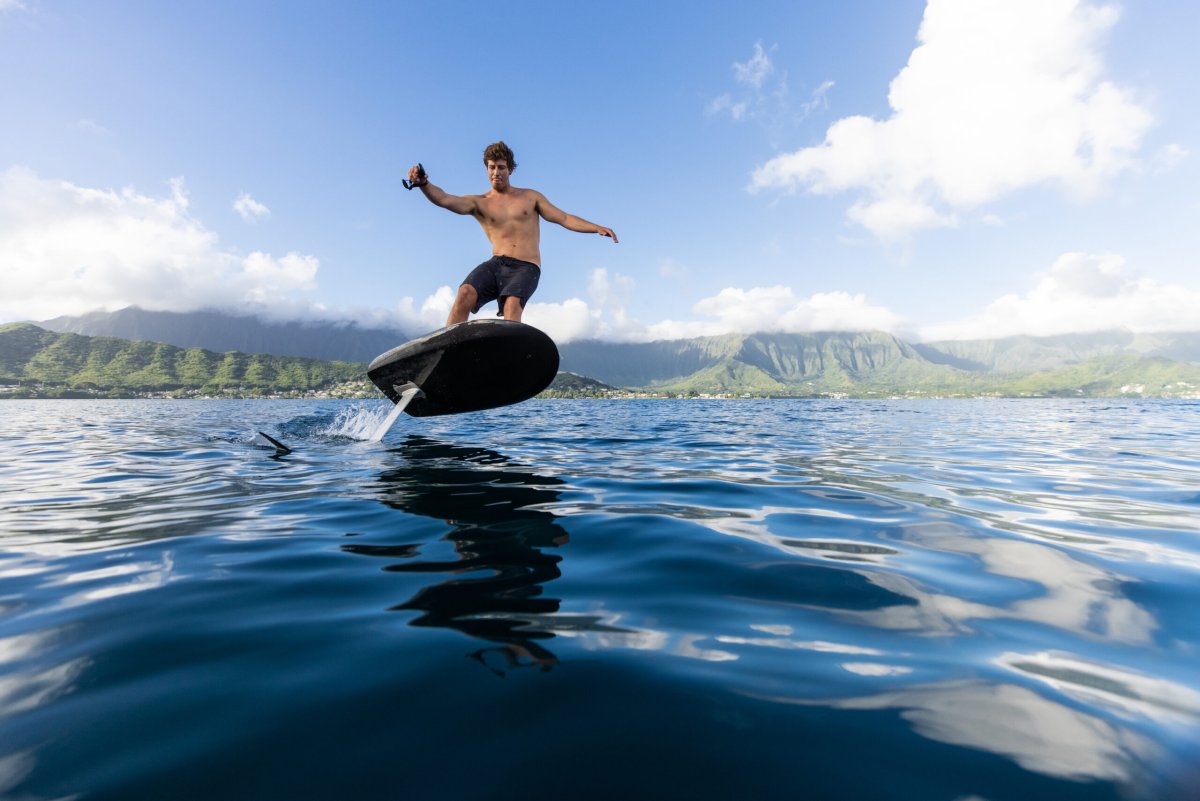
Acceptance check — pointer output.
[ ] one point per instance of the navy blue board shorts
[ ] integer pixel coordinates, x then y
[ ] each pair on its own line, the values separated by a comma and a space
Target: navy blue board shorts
500, 278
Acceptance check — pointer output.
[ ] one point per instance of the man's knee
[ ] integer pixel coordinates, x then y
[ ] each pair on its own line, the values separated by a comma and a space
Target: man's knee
467, 295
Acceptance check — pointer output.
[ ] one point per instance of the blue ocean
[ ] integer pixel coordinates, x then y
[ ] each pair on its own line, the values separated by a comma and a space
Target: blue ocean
935, 600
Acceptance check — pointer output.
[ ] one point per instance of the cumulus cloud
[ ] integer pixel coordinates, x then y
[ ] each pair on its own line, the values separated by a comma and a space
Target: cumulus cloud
407, 315
1081, 292
611, 293
67, 249
894, 218
249, 208
573, 319
732, 310
999, 95
777, 309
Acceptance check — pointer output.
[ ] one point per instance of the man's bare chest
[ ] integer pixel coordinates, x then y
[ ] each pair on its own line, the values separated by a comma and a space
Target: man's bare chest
504, 212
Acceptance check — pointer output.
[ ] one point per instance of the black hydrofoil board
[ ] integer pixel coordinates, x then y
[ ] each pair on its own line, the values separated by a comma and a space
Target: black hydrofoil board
467, 367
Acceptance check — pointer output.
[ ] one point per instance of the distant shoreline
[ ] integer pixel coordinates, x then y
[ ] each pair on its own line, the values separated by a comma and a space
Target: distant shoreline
190, 395
37, 363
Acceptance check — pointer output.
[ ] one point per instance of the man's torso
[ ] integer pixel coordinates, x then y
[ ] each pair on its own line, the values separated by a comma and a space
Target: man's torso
510, 220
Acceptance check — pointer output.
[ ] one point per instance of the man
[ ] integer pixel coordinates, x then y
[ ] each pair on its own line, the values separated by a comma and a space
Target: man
509, 216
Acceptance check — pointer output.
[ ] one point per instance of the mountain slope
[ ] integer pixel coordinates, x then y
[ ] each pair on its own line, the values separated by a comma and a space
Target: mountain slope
875, 363
1115, 375
1021, 354
760, 363
58, 364
868, 364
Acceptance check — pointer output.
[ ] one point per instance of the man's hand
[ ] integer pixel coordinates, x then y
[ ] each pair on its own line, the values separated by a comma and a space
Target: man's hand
416, 177
607, 232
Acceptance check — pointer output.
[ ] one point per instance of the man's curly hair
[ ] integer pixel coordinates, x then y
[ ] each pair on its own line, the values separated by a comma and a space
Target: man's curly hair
498, 151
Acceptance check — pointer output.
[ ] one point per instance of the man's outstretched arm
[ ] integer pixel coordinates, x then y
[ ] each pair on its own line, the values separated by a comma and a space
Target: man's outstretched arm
551, 213
438, 196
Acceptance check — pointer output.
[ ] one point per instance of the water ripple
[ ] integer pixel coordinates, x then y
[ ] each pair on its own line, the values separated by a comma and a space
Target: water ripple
991, 599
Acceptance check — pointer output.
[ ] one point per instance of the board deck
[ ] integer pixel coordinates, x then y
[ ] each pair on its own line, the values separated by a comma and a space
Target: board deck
467, 367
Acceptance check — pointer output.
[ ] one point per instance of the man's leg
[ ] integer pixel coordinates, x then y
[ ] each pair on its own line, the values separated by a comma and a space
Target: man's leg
512, 308
464, 302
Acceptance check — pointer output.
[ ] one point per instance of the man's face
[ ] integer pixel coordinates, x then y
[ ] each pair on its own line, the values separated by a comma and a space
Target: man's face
498, 173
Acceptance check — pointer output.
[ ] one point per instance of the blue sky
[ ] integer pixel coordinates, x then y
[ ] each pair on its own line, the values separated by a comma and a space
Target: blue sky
938, 169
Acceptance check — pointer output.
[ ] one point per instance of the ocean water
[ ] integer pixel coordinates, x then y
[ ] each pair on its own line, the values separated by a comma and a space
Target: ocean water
928, 600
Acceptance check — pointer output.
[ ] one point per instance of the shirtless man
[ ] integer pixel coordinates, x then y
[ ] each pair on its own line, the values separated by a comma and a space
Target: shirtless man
509, 216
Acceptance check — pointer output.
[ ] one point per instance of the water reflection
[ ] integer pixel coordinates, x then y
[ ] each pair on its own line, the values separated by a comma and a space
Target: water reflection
1066, 592
1063, 716
1126, 693
501, 541
1035, 732
27, 684
31, 685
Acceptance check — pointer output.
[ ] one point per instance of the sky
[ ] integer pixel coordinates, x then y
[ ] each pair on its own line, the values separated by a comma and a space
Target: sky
937, 169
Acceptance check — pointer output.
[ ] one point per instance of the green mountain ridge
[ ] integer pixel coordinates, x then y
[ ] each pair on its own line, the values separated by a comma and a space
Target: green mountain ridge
571, 385
1029, 353
39, 363
875, 364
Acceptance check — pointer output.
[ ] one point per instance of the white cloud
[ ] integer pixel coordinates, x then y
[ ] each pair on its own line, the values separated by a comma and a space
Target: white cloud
11, 5
818, 100
67, 249
431, 314
761, 94
778, 309
753, 72
733, 310
436, 307
610, 293
265, 275
999, 95
893, 218
725, 103
1081, 292
249, 208
570, 320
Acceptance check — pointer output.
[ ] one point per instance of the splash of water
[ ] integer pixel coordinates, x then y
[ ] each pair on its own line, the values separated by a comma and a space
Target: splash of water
364, 423
387, 423
407, 394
